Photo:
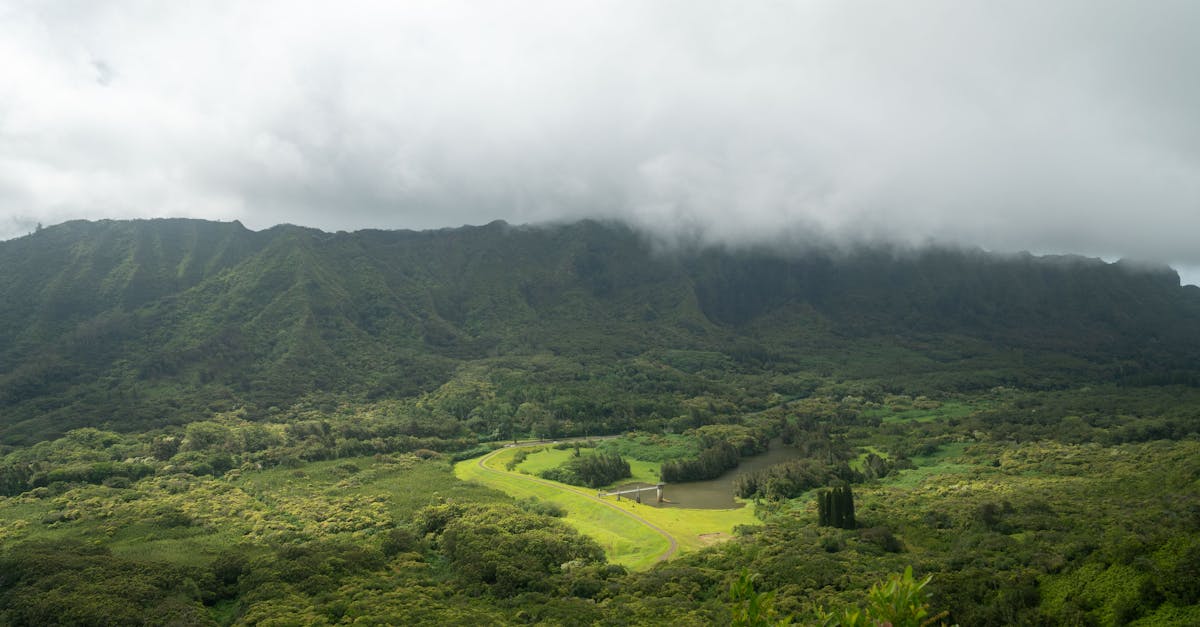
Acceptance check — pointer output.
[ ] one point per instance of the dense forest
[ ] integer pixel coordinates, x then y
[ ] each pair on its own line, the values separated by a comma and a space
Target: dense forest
202, 424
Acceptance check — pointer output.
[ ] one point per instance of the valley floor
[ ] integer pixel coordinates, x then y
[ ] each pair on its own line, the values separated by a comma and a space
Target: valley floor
654, 535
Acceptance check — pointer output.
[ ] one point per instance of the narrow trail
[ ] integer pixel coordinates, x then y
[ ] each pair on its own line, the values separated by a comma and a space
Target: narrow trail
673, 544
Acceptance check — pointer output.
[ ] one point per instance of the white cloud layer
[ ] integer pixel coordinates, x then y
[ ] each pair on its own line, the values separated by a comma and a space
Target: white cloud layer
1066, 126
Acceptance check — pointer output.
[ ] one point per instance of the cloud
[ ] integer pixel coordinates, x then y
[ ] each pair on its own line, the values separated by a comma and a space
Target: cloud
1067, 127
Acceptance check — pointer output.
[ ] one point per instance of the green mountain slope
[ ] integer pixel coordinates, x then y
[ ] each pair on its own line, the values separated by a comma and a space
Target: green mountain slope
279, 413
136, 324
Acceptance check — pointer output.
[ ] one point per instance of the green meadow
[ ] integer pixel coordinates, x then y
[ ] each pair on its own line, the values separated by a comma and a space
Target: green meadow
542, 459
614, 524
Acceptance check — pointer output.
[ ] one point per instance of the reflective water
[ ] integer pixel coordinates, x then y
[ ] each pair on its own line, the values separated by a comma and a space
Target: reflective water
715, 493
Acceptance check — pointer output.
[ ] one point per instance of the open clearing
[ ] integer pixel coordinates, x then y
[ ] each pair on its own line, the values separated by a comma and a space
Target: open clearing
541, 460
635, 536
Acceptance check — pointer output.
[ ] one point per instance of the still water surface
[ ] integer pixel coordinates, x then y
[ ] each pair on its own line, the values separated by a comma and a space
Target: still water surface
716, 493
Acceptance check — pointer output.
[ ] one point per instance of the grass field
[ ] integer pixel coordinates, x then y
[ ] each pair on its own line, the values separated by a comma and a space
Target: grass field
537, 462
695, 528
942, 463
857, 462
643, 471
626, 540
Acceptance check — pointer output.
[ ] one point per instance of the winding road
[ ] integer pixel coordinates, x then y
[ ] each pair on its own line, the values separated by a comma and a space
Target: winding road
673, 545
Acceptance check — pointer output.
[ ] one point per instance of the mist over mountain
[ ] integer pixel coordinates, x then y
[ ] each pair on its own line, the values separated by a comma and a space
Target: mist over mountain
132, 324
1006, 126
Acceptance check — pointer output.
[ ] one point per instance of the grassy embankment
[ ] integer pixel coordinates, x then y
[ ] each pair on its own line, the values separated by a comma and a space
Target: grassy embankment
626, 540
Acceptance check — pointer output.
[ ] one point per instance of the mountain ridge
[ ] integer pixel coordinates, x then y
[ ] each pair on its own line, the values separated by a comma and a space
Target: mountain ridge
141, 323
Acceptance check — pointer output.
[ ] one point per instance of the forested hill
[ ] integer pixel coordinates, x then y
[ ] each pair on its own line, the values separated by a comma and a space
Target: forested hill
136, 324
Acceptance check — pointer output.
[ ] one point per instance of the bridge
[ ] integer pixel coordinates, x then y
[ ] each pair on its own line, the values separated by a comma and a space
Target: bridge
637, 492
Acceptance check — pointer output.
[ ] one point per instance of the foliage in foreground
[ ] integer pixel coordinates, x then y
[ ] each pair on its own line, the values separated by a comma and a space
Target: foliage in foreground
901, 601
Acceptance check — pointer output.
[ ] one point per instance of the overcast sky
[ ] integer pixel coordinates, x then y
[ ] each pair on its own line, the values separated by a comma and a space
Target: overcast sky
1045, 126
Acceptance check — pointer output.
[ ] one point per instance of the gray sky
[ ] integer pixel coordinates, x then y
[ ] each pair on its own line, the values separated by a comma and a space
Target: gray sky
1065, 126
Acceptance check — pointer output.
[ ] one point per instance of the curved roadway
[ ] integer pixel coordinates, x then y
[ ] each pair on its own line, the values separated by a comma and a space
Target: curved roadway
673, 545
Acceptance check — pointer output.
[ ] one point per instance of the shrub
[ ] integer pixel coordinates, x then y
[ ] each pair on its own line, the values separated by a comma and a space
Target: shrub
901, 601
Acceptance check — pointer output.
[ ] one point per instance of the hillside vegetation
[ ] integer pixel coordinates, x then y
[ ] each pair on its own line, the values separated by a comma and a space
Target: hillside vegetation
201, 424
136, 325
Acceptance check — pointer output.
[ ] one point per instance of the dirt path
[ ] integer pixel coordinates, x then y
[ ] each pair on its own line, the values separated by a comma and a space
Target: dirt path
673, 545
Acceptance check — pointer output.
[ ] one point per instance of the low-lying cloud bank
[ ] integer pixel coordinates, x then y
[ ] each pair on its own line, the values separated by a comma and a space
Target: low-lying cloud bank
1013, 126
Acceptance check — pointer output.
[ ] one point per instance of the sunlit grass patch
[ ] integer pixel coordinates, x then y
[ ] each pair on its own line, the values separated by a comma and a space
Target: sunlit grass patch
537, 462
857, 462
691, 526
643, 471
946, 461
624, 539
944, 452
